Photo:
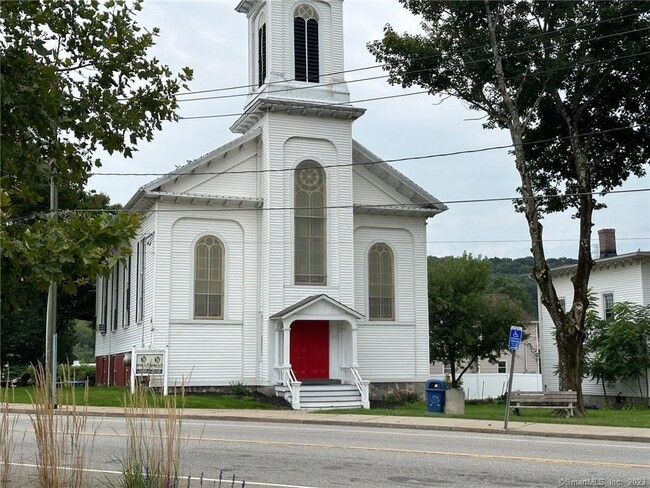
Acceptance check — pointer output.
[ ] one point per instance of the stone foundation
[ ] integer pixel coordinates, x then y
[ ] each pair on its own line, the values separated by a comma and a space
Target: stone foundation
378, 391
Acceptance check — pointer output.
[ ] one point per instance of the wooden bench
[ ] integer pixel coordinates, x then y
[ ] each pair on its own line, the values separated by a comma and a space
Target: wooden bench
557, 400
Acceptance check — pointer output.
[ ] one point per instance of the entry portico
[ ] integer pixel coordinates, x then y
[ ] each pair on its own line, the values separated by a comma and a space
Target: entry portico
316, 342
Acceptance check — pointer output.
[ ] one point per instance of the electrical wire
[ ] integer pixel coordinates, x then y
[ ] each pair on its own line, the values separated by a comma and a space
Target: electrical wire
385, 206
370, 163
465, 63
347, 103
460, 51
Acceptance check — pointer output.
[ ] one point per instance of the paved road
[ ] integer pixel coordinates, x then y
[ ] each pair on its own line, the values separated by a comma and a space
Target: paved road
294, 455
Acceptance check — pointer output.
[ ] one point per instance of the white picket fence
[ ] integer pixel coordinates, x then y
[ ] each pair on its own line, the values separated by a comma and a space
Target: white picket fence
492, 385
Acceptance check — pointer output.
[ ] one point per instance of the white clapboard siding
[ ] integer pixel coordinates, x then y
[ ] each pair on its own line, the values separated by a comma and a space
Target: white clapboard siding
328, 142
130, 335
185, 233
386, 352
204, 354
370, 190
280, 41
241, 273
406, 238
645, 282
622, 277
234, 176
418, 230
370, 230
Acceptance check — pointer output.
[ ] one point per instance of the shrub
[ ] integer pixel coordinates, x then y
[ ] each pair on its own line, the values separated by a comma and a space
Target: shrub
239, 389
402, 397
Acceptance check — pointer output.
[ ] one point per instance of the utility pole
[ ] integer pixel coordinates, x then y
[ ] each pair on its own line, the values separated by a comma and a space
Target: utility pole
50, 322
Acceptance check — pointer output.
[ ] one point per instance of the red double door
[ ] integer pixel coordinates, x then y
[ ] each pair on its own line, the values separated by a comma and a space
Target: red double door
310, 349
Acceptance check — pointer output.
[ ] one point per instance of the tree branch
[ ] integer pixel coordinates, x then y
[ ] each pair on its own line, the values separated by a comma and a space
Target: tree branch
591, 97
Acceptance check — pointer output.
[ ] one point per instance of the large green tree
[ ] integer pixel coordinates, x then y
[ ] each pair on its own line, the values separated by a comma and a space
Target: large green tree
571, 74
76, 78
468, 319
22, 319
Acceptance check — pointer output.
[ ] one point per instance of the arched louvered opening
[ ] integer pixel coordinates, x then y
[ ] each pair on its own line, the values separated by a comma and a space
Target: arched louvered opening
261, 49
305, 38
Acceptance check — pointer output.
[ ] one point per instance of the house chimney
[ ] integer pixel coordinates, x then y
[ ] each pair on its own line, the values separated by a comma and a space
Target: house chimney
607, 242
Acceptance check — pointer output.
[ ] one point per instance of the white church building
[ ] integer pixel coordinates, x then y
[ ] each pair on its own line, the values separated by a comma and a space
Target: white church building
292, 258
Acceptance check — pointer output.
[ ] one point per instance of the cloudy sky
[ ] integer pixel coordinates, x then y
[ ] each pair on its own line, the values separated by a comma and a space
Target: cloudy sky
210, 37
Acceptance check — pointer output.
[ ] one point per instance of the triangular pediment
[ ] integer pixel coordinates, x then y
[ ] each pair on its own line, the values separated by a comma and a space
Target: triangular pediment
228, 170
318, 306
380, 187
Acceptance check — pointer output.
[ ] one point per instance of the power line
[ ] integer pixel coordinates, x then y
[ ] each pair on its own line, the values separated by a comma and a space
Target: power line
460, 51
369, 163
346, 103
385, 206
475, 61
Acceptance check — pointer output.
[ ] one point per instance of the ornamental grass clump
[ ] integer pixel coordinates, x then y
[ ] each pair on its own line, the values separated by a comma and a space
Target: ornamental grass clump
7, 425
64, 444
154, 433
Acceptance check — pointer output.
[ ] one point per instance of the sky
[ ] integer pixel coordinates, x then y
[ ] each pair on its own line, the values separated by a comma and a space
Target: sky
210, 37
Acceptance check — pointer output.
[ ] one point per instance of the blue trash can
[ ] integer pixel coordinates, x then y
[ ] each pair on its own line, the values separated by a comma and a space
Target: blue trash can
435, 395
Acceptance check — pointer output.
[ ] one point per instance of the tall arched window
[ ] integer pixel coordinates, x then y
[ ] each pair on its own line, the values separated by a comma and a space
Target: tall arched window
305, 39
208, 278
381, 283
261, 49
310, 224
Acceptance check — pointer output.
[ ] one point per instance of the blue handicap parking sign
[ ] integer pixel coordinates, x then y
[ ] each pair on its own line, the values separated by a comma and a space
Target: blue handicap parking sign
514, 340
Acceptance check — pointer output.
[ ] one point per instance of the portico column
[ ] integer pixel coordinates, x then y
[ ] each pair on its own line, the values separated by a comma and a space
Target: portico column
286, 329
353, 340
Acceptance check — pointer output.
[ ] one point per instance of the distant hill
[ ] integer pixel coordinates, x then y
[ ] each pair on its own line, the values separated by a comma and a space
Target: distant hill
512, 276
524, 266
520, 270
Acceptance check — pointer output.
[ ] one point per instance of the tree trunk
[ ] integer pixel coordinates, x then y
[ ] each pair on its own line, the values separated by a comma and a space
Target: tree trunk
569, 327
570, 341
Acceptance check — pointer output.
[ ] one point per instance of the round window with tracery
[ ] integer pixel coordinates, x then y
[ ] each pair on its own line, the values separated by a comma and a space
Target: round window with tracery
310, 177
306, 12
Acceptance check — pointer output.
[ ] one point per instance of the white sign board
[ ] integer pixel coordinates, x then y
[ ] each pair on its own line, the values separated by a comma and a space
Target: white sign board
148, 363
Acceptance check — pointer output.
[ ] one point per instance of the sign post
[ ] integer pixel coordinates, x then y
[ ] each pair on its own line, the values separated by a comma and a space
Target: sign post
514, 341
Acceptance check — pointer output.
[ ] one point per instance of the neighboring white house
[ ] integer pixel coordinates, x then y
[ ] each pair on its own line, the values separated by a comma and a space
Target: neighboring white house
487, 380
291, 257
614, 278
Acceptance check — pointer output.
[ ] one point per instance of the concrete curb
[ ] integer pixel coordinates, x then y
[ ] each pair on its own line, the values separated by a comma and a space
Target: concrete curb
569, 431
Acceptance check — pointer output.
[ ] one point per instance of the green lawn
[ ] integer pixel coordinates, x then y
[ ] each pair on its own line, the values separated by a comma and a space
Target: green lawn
638, 417
110, 396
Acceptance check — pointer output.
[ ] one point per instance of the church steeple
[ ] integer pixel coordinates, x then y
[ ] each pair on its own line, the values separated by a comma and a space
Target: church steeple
295, 54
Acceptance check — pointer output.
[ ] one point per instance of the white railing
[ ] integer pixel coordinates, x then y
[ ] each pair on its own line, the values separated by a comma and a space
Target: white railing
351, 375
286, 377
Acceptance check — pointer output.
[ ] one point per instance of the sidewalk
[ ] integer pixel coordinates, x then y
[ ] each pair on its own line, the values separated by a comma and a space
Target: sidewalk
433, 422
